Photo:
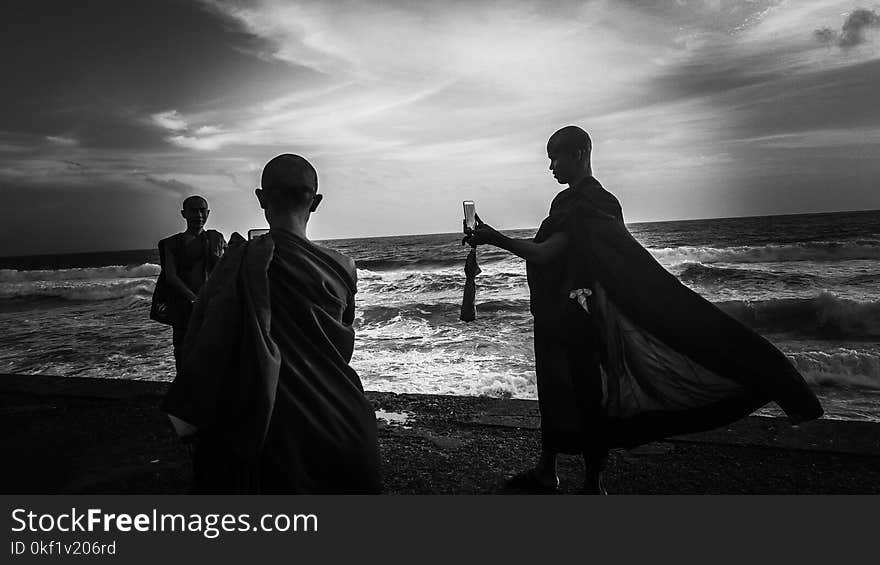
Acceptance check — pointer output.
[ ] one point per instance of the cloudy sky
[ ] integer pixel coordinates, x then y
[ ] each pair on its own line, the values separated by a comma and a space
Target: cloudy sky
112, 112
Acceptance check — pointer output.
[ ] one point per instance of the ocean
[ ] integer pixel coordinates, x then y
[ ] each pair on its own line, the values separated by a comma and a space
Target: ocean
809, 283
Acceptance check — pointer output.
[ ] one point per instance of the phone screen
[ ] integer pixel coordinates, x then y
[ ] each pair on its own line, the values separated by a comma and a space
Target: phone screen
470, 213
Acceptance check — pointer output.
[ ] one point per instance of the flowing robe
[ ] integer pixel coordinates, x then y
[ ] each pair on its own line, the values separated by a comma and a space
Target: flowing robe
266, 377
669, 361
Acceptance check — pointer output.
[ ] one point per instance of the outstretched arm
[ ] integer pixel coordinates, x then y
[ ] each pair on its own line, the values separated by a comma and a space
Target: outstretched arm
540, 253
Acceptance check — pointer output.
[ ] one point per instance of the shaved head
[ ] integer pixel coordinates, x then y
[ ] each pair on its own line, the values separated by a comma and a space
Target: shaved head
289, 180
571, 139
569, 152
195, 212
194, 201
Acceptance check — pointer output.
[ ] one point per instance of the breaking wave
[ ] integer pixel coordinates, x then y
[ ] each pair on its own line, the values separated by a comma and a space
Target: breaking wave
810, 251
420, 264
824, 316
839, 367
707, 274
112, 272
88, 292
44, 287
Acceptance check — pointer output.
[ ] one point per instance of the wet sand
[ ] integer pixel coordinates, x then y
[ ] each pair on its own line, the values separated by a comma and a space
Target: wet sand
72, 435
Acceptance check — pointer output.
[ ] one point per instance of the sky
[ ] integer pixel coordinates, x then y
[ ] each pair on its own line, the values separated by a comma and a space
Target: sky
112, 112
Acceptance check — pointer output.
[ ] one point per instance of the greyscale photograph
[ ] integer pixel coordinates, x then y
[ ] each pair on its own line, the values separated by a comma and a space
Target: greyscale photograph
393, 247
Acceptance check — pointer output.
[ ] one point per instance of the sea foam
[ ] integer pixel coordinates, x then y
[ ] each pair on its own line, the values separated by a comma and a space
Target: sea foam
812, 251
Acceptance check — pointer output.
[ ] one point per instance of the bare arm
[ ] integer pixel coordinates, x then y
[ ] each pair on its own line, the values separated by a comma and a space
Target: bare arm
173, 278
540, 253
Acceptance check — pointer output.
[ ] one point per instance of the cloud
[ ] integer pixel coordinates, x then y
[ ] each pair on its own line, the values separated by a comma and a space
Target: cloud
13, 148
408, 78
420, 81
826, 138
208, 130
826, 35
191, 131
405, 107
853, 31
60, 140
204, 143
174, 186
171, 120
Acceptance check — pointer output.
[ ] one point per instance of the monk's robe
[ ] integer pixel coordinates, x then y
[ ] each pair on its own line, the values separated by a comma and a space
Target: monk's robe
194, 259
266, 376
652, 358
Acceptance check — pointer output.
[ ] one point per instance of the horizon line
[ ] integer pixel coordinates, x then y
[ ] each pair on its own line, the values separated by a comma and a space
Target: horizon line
458, 233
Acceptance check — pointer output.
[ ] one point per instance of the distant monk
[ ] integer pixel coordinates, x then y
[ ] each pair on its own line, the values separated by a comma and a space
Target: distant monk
187, 259
266, 378
624, 353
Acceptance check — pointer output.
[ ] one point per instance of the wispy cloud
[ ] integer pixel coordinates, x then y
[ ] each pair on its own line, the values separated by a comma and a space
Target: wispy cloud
171, 120
407, 106
397, 74
61, 140
824, 138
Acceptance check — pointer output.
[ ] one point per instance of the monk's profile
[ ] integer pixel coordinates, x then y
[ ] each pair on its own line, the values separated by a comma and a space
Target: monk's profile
266, 379
625, 354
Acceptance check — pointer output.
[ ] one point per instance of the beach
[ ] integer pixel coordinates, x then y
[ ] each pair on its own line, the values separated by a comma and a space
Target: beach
455, 401
85, 435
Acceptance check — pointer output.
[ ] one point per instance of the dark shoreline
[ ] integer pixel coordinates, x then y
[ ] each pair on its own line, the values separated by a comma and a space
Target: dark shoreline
75, 435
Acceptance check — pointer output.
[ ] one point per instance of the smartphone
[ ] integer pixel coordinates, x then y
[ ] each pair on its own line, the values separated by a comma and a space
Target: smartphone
470, 214
257, 233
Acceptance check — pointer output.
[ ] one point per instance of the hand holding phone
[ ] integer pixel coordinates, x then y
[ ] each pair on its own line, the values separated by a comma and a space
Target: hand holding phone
470, 216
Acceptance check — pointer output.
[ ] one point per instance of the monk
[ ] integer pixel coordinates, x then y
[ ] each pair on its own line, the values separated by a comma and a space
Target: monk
187, 259
266, 380
624, 353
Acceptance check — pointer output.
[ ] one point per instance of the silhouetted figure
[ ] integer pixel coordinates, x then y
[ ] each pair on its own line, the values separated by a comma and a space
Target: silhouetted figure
624, 353
187, 259
266, 378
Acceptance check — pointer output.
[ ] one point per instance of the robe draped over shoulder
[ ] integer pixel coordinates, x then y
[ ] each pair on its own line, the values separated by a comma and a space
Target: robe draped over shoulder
266, 375
671, 361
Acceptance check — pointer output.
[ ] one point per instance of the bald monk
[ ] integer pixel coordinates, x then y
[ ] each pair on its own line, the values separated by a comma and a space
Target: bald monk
266, 380
624, 353
187, 259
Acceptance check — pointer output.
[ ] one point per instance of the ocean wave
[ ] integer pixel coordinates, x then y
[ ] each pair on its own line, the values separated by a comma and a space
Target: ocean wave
707, 274
145, 270
841, 367
421, 282
866, 279
438, 312
420, 264
49, 294
812, 251
824, 316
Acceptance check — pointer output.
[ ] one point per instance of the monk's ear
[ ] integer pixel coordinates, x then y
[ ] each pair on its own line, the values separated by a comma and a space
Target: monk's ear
261, 197
315, 201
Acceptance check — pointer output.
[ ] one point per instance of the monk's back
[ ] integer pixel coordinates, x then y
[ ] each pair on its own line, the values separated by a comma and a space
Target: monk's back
322, 437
